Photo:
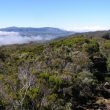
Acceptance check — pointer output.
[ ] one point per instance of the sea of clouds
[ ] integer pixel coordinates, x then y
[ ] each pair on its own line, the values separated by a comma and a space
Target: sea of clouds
9, 38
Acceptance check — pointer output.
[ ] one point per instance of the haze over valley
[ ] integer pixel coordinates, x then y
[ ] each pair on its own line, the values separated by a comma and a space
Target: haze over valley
15, 35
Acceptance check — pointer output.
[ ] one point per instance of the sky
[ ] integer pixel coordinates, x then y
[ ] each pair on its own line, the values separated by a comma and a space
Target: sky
76, 15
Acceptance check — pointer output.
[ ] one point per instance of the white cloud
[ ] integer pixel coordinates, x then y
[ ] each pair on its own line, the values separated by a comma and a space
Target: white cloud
7, 38
87, 28
4, 33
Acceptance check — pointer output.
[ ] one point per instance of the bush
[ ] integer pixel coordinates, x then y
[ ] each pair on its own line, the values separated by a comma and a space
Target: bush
55, 81
83, 78
108, 63
91, 47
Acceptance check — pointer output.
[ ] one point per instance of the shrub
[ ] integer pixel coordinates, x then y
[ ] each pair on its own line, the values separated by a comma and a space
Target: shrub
55, 81
83, 78
91, 47
108, 63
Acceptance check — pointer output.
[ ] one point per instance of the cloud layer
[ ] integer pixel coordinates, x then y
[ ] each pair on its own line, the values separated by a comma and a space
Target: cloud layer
8, 38
88, 28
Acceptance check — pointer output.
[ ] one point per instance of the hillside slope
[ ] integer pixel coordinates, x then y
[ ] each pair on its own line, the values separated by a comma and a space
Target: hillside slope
67, 74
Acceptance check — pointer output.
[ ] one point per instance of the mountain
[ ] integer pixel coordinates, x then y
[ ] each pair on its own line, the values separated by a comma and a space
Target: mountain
21, 35
45, 31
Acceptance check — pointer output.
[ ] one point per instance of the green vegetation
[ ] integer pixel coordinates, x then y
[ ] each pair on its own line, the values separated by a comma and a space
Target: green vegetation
66, 74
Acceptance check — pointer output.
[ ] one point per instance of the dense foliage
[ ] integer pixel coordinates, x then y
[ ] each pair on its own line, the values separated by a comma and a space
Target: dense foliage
68, 74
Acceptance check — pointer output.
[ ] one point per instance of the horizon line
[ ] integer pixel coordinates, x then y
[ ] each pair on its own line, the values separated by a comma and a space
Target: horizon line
75, 29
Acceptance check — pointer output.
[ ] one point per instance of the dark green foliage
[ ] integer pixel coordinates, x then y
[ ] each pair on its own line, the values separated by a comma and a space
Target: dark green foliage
91, 47
106, 36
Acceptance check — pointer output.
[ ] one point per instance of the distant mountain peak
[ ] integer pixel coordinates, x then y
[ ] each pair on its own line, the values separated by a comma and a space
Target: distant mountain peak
40, 30
14, 35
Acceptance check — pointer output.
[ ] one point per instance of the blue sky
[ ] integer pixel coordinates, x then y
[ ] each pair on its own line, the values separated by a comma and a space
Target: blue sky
65, 14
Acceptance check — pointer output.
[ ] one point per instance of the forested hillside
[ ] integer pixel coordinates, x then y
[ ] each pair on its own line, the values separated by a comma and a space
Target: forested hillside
68, 74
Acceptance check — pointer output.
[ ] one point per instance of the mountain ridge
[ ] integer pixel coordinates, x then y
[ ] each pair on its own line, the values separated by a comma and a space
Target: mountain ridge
51, 30
21, 35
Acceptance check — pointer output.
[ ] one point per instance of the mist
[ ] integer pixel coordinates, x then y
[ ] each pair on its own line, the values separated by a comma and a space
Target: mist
9, 38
